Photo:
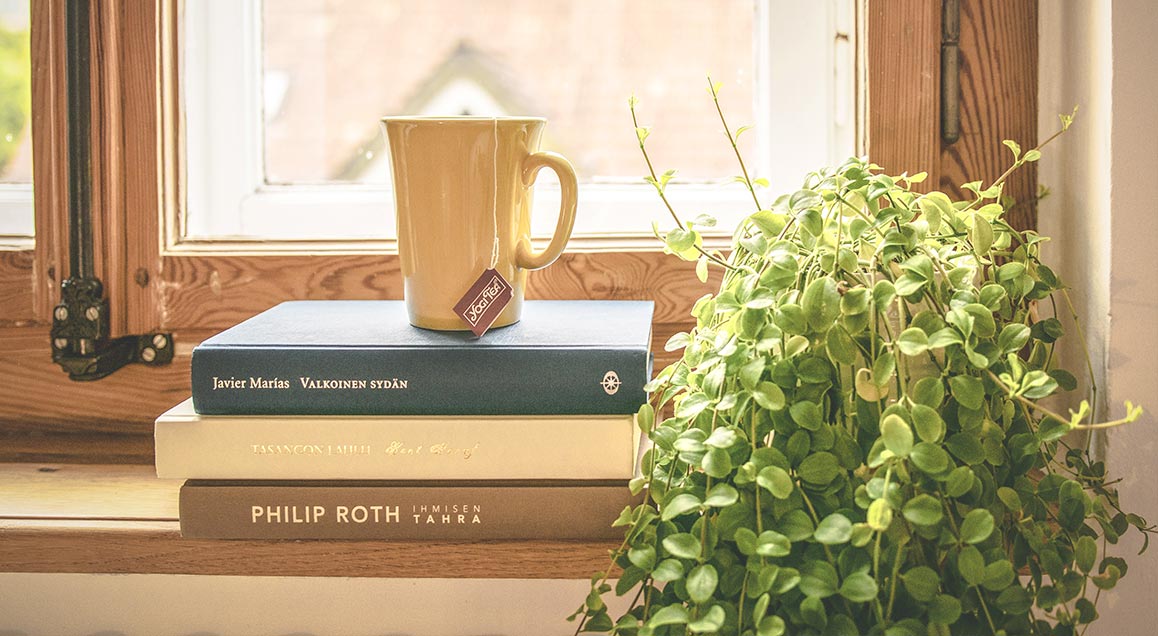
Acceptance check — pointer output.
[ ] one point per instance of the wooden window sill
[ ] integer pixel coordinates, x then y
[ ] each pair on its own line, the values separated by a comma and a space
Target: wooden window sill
122, 519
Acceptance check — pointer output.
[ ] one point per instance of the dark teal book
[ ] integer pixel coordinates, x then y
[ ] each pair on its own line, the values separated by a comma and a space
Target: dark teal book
362, 357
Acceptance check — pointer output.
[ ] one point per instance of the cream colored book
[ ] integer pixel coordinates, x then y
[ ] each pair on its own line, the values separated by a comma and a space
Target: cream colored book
298, 447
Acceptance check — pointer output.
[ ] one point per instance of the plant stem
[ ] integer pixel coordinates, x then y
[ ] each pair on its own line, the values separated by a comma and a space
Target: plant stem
868, 219
704, 526
1057, 416
901, 358
1086, 351
759, 514
732, 140
1016, 164
1098, 594
893, 581
1099, 425
663, 197
827, 550
957, 535
740, 605
985, 606
603, 579
877, 546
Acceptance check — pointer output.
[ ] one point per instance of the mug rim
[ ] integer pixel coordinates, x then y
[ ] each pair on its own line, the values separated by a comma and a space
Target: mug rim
458, 119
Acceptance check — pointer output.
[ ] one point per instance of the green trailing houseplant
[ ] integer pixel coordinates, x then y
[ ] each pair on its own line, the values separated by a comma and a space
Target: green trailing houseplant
858, 442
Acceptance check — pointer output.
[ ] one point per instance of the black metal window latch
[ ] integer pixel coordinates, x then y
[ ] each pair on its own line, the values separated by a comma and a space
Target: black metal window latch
80, 323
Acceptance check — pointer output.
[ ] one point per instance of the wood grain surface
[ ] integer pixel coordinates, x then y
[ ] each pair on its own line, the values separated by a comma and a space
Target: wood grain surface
144, 547
904, 88
86, 493
38, 396
50, 148
16, 302
998, 95
998, 101
76, 448
217, 291
102, 519
137, 30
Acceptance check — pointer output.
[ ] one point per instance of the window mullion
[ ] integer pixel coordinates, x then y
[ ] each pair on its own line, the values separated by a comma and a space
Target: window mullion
221, 68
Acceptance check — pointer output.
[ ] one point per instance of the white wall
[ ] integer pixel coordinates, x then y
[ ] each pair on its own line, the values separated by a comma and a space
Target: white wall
1105, 226
124, 605
1076, 69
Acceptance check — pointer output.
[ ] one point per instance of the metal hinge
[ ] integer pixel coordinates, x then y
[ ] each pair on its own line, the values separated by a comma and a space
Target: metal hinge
950, 71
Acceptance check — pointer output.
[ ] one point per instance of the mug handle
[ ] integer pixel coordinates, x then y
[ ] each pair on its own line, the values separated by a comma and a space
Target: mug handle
525, 255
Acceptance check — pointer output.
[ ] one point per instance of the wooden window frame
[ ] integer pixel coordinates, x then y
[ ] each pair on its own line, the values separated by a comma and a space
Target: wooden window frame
136, 147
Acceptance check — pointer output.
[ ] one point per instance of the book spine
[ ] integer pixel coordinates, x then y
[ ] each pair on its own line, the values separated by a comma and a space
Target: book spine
451, 381
302, 447
210, 510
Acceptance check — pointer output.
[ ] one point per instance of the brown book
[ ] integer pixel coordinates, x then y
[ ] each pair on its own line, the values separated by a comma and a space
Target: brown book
384, 510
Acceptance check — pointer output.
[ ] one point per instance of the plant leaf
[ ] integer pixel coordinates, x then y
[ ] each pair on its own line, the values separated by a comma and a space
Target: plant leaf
923, 510
967, 390
773, 544
922, 583
668, 570
834, 529
807, 415
913, 341
776, 481
859, 587
930, 458
819, 468
769, 396
722, 495
944, 610
679, 505
971, 565
818, 578
702, 582
897, 435
977, 526
821, 303
930, 427
880, 515
683, 545
674, 614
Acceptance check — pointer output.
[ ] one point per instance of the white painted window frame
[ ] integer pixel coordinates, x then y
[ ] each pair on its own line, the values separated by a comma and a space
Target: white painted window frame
227, 198
16, 220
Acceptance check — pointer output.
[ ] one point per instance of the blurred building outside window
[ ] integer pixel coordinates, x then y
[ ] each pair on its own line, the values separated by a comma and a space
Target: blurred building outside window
282, 99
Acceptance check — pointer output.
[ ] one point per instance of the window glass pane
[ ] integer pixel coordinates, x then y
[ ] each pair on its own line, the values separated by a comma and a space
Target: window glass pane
15, 93
332, 68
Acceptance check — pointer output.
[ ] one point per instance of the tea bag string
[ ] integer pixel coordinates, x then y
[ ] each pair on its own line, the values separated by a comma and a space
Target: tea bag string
495, 192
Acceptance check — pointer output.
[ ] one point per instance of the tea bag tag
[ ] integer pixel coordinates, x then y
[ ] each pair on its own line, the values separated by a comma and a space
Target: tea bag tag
484, 301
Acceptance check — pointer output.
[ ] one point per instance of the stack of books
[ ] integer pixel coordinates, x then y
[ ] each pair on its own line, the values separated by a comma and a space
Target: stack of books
339, 420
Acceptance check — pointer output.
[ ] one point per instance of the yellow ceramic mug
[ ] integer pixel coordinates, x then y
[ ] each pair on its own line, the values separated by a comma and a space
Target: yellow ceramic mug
462, 189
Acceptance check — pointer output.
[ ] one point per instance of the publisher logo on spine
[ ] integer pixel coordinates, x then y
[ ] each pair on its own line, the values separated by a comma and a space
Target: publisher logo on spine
611, 383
